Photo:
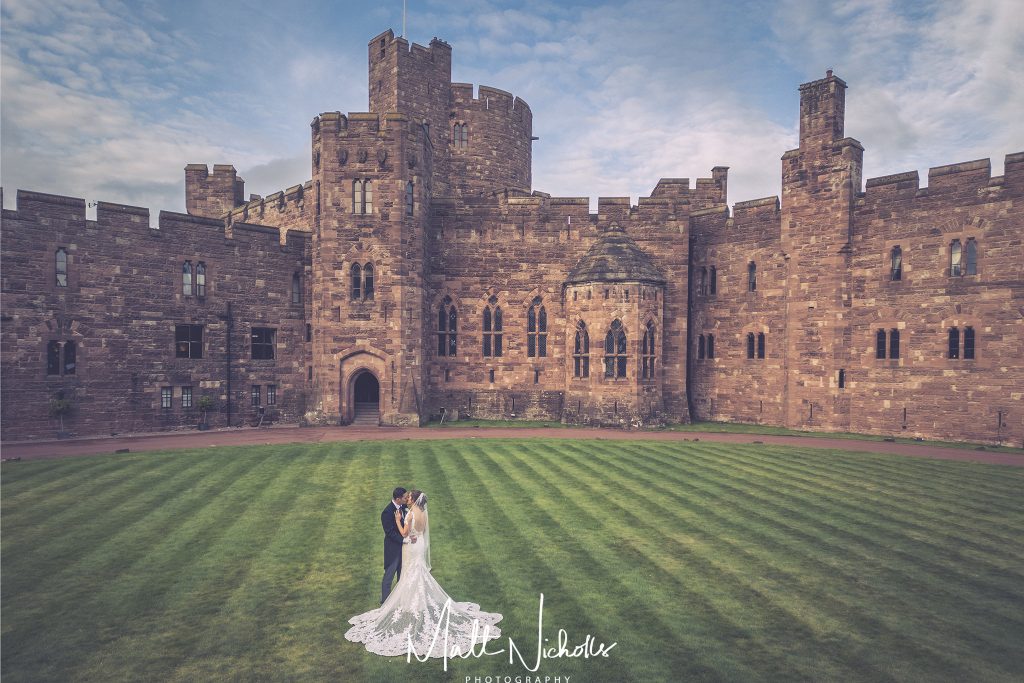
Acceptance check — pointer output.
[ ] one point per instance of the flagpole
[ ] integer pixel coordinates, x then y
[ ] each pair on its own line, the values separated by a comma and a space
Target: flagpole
403, 18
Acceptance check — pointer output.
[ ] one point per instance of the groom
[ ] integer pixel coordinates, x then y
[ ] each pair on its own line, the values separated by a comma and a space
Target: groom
393, 540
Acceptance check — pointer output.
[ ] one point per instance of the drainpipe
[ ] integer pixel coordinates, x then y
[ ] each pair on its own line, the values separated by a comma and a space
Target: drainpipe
227, 354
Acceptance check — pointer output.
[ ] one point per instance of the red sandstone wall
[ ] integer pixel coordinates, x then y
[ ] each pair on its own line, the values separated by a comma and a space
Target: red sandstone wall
123, 299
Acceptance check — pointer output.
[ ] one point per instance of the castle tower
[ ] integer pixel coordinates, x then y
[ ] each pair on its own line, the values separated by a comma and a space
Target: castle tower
371, 178
614, 302
820, 180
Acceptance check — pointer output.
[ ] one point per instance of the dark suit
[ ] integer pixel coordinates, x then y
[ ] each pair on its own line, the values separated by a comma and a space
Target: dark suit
393, 541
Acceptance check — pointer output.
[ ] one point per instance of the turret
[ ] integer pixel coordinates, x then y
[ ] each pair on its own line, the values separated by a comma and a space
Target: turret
212, 194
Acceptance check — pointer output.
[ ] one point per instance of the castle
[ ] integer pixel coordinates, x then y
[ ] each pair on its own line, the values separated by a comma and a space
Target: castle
417, 275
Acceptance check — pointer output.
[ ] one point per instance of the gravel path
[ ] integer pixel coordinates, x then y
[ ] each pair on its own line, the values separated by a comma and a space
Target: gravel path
279, 435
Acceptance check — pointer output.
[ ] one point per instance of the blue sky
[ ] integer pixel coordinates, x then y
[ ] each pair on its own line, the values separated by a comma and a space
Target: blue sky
109, 99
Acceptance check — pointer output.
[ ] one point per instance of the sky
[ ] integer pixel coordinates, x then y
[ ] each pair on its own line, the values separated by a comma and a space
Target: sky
110, 99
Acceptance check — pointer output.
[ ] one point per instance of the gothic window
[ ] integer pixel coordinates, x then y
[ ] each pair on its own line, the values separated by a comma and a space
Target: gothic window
262, 343
711, 346
894, 343
492, 328
581, 351
368, 281
53, 358
968, 343
536, 330
61, 266
200, 279
750, 345
896, 272
186, 278
760, 345
751, 277
296, 288
700, 347
447, 328
460, 137
362, 196
647, 354
713, 280
357, 282
615, 351
188, 341
409, 198
954, 259
702, 288
954, 342
880, 344
972, 258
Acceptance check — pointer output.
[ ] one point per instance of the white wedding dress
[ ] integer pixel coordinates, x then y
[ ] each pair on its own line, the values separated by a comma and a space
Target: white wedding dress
415, 610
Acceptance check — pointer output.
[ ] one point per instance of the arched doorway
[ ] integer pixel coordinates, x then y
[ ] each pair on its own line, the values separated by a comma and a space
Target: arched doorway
366, 399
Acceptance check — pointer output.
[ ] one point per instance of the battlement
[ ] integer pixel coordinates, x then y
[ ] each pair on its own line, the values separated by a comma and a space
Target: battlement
212, 194
964, 177
753, 208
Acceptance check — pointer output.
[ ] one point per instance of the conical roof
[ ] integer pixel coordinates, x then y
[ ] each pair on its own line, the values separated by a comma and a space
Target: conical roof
615, 257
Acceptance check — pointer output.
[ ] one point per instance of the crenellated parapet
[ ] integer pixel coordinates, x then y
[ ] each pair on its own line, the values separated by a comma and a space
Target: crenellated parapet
490, 140
212, 194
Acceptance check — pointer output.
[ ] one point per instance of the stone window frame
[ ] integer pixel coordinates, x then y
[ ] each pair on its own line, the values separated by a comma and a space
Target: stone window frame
759, 333
61, 261
189, 342
896, 263
410, 198
617, 358
752, 276
199, 282
446, 315
166, 398
61, 346
265, 346
460, 135
967, 237
701, 347
710, 343
962, 323
648, 351
255, 395
580, 351
536, 328
362, 196
889, 326
363, 278
296, 289
492, 329
186, 397
186, 278
271, 394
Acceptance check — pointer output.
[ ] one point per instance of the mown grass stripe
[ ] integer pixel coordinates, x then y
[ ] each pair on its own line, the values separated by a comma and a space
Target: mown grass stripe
836, 549
905, 511
860, 517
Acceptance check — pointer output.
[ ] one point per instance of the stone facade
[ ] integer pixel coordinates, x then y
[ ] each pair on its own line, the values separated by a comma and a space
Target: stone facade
416, 276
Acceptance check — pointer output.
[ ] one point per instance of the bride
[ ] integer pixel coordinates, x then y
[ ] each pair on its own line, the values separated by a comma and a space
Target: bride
414, 615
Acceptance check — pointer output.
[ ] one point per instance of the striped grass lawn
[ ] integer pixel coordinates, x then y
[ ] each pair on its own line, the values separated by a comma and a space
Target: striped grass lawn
702, 561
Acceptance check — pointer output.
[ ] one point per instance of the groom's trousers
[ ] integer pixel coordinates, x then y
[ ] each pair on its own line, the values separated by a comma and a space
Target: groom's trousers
392, 568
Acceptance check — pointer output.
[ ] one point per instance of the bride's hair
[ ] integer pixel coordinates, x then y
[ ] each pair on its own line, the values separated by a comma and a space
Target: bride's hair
419, 498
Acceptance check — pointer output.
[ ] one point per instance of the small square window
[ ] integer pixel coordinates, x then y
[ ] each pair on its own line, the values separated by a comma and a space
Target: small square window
262, 346
188, 341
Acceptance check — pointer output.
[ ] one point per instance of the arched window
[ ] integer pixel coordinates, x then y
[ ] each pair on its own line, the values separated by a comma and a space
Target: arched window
968, 343
581, 351
362, 196
702, 288
711, 346
954, 259
368, 281
410, 198
894, 343
460, 136
880, 344
296, 289
615, 351
954, 342
647, 354
492, 328
186, 278
750, 345
357, 282
200, 279
972, 257
713, 280
61, 266
896, 272
760, 344
751, 277
447, 328
536, 330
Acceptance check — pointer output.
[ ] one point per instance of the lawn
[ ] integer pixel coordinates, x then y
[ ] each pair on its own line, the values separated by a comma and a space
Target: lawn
702, 561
